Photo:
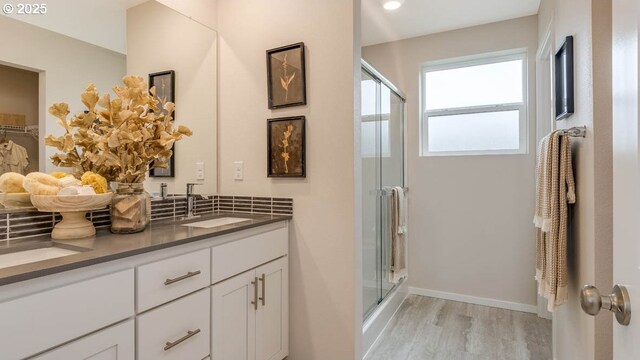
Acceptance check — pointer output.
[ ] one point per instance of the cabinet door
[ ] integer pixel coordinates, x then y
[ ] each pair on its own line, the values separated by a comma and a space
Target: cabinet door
114, 343
233, 318
272, 316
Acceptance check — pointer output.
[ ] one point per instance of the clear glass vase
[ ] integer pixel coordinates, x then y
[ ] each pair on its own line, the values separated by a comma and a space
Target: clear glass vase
129, 208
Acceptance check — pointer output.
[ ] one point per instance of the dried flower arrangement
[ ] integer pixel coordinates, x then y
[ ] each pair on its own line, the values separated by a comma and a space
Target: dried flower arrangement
120, 138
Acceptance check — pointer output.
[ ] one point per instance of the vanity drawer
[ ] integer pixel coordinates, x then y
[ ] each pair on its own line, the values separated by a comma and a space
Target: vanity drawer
37, 322
115, 342
176, 331
168, 279
238, 256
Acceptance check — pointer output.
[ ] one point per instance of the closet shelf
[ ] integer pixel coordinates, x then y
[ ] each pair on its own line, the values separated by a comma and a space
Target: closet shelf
16, 129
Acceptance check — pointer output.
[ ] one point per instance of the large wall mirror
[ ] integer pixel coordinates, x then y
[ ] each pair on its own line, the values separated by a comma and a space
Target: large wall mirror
52, 58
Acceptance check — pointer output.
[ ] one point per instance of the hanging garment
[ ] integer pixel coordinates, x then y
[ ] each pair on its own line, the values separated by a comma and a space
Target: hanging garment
555, 190
13, 158
398, 254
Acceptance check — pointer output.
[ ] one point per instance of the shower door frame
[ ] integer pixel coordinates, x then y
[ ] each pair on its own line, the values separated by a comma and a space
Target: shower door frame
382, 80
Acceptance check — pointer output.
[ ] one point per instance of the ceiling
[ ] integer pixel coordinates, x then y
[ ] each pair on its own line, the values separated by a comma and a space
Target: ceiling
423, 17
130, 3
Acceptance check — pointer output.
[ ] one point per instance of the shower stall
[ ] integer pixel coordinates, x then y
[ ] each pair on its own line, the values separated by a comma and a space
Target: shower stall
382, 155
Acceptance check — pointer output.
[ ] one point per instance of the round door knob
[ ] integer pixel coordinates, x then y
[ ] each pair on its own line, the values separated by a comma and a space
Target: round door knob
618, 302
590, 300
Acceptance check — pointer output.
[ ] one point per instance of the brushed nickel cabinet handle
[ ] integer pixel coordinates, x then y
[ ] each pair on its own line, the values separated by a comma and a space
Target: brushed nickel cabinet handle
264, 285
255, 293
190, 333
180, 278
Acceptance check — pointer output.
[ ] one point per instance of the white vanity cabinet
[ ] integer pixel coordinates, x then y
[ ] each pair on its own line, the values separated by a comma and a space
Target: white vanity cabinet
250, 311
249, 314
225, 297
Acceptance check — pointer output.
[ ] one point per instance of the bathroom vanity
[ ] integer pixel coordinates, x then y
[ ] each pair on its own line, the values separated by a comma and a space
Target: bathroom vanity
214, 290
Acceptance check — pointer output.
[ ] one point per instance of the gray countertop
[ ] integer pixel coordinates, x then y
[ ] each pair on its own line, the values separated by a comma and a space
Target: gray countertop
105, 246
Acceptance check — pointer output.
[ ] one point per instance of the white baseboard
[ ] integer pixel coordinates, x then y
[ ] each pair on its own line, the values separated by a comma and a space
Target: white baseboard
474, 300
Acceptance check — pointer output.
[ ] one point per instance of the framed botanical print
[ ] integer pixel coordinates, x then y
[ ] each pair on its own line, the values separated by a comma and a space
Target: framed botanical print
164, 82
286, 80
286, 147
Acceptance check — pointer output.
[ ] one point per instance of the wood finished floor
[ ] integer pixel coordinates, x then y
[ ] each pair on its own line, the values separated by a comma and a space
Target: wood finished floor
434, 329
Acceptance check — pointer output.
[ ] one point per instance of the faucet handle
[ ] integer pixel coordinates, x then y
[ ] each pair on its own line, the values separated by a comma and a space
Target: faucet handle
190, 188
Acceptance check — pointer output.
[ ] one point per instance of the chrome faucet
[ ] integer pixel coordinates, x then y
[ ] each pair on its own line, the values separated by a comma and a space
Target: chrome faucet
163, 190
191, 201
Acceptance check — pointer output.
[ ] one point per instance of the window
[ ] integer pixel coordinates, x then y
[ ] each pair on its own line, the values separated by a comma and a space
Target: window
474, 107
375, 139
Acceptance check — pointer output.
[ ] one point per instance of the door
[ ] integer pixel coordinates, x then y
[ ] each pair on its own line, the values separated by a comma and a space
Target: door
382, 155
391, 126
114, 343
272, 321
370, 149
233, 318
626, 171
545, 113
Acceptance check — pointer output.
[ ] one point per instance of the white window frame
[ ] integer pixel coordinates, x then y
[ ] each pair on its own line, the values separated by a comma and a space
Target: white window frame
483, 59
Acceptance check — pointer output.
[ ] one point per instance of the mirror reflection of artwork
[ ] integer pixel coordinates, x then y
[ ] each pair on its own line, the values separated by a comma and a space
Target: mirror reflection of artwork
286, 76
286, 147
564, 80
165, 92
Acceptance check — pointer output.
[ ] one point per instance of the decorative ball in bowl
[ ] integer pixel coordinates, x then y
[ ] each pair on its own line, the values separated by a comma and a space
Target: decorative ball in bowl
73, 208
15, 200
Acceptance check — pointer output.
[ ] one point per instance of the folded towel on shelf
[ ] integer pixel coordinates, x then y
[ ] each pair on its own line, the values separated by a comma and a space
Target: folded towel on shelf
555, 189
398, 229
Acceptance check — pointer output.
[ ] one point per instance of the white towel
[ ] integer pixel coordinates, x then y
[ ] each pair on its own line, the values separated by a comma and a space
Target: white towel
398, 229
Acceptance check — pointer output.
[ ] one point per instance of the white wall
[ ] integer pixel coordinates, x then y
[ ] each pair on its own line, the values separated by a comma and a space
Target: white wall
469, 216
66, 66
202, 11
324, 319
575, 334
99, 22
189, 49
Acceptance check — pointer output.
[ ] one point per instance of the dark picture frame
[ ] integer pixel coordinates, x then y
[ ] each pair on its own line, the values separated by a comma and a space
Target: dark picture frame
165, 83
286, 76
564, 87
286, 136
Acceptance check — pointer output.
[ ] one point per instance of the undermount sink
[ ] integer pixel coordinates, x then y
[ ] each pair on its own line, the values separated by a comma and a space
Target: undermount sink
36, 251
207, 224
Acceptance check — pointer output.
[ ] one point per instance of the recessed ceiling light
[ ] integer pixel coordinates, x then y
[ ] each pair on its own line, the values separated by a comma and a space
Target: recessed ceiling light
392, 4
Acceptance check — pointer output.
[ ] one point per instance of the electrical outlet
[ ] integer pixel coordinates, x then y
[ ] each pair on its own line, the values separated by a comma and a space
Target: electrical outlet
238, 170
200, 170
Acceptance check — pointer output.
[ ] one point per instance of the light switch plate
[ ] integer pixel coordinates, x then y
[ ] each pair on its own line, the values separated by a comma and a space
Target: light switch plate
238, 170
200, 170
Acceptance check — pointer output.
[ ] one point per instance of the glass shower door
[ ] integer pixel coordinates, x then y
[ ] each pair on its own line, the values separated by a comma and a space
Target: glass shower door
370, 142
382, 155
391, 172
